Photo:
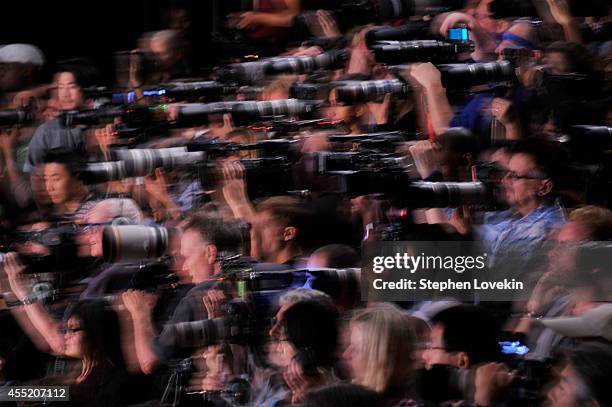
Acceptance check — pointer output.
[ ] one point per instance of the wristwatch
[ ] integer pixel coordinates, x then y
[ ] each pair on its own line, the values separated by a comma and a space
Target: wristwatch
29, 300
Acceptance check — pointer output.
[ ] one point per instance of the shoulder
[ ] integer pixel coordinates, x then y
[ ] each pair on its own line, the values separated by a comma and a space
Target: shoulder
46, 127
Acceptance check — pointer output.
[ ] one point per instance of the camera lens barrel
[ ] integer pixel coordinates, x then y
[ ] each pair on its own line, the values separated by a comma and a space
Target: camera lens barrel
133, 242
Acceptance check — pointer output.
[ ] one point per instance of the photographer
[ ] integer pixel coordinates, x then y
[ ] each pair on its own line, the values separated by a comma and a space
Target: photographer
69, 81
298, 360
463, 337
89, 334
205, 240
528, 188
169, 50
552, 295
584, 381
70, 196
307, 338
477, 112
278, 231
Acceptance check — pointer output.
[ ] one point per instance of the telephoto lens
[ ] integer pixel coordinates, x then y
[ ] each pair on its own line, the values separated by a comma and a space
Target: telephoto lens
250, 72
138, 163
422, 194
349, 92
243, 111
135, 115
399, 52
15, 117
134, 242
414, 30
191, 90
462, 76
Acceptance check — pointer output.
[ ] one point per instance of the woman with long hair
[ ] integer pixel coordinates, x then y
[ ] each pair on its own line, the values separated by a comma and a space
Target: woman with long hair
89, 337
380, 354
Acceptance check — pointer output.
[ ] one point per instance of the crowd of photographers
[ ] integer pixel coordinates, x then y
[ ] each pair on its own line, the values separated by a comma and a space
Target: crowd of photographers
193, 235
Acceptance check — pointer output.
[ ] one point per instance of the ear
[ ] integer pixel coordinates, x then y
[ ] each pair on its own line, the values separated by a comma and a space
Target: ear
545, 187
289, 233
227, 121
463, 360
469, 159
211, 253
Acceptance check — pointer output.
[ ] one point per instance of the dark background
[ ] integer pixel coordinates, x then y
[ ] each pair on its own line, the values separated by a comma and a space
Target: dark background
65, 29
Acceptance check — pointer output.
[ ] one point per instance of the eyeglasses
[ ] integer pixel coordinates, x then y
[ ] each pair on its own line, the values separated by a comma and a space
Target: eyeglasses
428, 346
72, 330
514, 176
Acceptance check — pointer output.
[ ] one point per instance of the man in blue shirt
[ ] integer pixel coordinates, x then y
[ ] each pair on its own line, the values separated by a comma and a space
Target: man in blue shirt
527, 187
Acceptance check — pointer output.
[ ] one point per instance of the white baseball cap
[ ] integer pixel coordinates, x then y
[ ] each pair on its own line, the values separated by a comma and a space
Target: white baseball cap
22, 54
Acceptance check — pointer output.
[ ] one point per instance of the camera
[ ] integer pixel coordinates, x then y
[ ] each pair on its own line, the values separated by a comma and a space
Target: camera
246, 319
413, 30
192, 91
137, 162
265, 176
132, 115
367, 172
15, 117
134, 242
243, 112
458, 77
249, 72
398, 52
350, 92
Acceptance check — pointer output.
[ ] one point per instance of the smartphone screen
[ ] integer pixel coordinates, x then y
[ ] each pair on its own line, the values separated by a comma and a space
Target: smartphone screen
513, 348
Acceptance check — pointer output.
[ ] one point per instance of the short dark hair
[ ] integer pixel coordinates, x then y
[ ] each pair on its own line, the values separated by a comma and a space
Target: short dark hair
85, 72
312, 327
71, 159
592, 362
288, 211
548, 157
338, 255
224, 234
577, 55
470, 329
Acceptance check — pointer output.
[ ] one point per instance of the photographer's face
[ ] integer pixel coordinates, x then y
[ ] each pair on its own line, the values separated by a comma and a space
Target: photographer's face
523, 185
267, 234
196, 259
69, 93
73, 339
59, 183
165, 56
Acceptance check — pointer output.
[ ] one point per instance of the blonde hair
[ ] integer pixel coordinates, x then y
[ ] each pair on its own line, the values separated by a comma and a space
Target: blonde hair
597, 218
387, 346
